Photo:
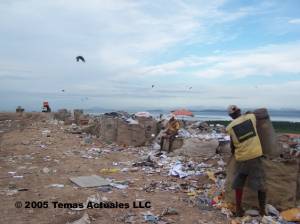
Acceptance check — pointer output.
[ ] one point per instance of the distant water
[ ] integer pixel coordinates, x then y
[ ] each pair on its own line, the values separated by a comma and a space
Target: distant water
216, 115
290, 116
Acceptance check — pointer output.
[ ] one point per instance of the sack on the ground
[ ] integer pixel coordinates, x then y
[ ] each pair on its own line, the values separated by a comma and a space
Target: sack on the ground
281, 184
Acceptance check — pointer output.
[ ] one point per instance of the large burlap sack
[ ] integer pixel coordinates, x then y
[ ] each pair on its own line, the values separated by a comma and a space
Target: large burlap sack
266, 133
108, 129
281, 184
177, 144
150, 126
130, 134
198, 148
138, 135
63, 115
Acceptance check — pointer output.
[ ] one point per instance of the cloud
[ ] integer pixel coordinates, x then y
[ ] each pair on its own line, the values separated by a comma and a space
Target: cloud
294, 21
128, 45
118, 38
266, 61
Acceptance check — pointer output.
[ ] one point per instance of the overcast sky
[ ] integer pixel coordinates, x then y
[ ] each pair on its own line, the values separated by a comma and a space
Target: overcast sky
195, 53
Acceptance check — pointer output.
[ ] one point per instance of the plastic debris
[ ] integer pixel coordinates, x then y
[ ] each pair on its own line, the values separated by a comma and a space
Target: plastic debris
151, 218
156, 146
169, 211
252, 212
131, 121
176, 170
109, 170
292, 215
204, 201
143, 114
211, 176
46, 170
46, 133
119, 186
92, 153
85, 219
184, 133
271, 210
105, 188
90, 181
269, 220
11, 192
57, 185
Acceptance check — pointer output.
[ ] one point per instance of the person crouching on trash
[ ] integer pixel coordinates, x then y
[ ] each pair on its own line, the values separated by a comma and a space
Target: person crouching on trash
247, 150
170, 133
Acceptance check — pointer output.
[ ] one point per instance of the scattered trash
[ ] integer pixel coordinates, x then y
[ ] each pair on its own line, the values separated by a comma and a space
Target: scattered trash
272, 211
269, 220
291, 215
169, 211
43, 146
12, 173
252, 213
85, 219
11, 192
109, 170
92, 153
119, 186
156, 146
23, 189
57, 185
46, 133
46, 170
151, 218
105, 188
90, 181
143, 114
131, 121
88, 139
176, 170
204, 202
211, 176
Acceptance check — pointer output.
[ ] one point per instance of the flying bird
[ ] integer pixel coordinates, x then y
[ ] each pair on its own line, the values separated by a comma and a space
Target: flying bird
152, 86
63, 90
191, 87
78, 58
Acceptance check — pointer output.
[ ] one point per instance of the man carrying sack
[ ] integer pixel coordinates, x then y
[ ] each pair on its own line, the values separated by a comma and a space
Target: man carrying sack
247, 150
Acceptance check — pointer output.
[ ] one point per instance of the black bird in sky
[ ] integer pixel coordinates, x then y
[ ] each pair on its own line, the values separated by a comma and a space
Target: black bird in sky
152, 86
78, 58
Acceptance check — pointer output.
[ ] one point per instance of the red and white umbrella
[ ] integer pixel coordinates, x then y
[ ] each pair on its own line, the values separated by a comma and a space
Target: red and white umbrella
182, 112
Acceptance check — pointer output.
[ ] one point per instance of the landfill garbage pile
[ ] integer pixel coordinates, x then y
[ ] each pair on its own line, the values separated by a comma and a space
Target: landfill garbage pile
53, 161
289, 147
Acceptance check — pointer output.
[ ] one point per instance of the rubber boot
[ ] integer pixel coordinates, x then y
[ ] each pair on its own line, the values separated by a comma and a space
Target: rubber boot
239, 212
262, 202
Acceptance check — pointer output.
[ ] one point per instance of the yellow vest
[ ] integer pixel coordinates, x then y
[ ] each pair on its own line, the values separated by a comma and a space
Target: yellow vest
243, 134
